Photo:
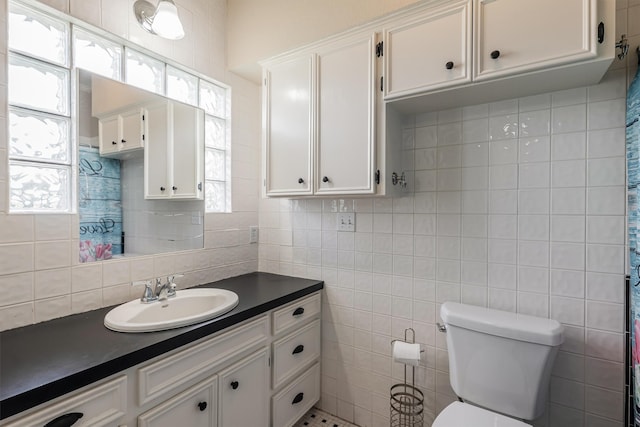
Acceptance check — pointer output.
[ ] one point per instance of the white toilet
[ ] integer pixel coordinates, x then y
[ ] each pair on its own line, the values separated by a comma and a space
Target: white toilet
500, 363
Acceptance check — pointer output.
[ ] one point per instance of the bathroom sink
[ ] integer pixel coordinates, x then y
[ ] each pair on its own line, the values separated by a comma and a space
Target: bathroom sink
188, 307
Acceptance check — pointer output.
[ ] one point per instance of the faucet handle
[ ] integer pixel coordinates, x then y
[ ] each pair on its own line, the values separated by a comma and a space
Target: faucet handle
172, 277
147, 295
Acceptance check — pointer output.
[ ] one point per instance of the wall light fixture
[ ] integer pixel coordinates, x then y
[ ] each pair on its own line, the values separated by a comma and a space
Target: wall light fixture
162, 20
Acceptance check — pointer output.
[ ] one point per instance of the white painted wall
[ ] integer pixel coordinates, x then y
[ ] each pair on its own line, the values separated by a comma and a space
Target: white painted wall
259, 29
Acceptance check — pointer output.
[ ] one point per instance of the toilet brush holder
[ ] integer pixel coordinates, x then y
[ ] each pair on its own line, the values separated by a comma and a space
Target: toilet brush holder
407, 401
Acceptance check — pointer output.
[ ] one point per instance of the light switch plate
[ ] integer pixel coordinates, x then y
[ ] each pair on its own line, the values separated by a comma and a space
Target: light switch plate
253, 234
346, 221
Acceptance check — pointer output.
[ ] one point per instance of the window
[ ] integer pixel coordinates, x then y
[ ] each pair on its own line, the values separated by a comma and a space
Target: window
41, 151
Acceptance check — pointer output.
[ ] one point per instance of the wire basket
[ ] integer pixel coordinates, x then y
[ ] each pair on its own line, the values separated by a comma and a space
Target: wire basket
407, 401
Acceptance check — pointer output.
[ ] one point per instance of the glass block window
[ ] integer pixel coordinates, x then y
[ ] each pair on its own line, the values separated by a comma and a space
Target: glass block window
40, 150
144, 72
182, 86
96, 54
213, 99
38, 35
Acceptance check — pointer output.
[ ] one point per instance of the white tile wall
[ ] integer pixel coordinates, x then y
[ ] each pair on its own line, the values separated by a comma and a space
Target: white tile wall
519, 205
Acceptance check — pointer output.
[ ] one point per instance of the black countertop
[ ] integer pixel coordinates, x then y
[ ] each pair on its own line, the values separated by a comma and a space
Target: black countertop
43, 361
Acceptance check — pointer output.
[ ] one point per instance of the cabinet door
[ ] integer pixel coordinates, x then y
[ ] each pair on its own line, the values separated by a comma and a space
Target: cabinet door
288, 127
132, 130
244, 393
195, 407
430, 52
156, 153
346, 119
109, 135
519, 36
187, 148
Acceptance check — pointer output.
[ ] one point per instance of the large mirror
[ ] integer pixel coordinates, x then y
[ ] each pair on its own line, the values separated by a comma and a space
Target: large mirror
140, 173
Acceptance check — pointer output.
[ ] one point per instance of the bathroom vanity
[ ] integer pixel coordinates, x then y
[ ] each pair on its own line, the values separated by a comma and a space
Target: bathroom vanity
257, 365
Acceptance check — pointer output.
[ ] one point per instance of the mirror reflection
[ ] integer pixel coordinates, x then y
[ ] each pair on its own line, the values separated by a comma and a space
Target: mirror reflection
140, 173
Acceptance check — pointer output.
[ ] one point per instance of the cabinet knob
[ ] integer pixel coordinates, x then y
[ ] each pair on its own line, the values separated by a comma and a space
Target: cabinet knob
495, 54
162, 188
325, 179
298, 349
174, 188
202, 406
234, 384
298, 398
123, 141
113, 143
65, 420
300, 181
449, 65
298, 311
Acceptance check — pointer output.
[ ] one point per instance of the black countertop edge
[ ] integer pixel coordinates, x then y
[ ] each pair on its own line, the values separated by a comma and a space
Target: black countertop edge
181, 336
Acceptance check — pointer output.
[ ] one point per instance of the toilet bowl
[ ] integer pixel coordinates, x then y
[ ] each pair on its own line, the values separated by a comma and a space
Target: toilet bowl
460, 414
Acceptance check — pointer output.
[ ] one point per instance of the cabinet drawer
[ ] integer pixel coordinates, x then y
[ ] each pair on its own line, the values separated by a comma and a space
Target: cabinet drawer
294, 351
195, 407
296, 313
167, 374
100, 406
296, 399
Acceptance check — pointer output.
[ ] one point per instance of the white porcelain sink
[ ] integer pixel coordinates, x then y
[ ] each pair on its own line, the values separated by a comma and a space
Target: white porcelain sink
188, 307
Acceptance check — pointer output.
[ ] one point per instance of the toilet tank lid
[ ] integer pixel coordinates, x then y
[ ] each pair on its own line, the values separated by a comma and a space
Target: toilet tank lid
503, 323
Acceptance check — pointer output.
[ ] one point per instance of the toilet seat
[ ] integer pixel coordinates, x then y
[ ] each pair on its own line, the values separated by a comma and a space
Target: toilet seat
460, 414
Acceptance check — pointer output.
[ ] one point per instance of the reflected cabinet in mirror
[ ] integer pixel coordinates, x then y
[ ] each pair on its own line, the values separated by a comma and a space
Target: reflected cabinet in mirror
141, 171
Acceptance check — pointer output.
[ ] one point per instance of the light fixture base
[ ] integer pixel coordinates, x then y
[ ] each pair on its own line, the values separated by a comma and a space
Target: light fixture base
144, 12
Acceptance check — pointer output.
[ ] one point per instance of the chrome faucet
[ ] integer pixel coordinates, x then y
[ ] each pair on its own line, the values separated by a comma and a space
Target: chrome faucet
161, 292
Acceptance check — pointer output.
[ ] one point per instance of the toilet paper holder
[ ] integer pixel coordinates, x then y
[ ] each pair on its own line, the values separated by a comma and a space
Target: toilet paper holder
406, 400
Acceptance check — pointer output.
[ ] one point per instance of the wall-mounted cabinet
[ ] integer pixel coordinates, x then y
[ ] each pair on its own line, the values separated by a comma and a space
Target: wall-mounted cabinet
474, 51
289, 108
428, 51
173, 159
121, 134
323, 122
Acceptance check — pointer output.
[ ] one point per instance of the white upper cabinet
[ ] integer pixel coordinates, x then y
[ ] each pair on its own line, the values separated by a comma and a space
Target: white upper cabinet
428, 51
346, 117
173, 161
121, 133
524, 35
288, 126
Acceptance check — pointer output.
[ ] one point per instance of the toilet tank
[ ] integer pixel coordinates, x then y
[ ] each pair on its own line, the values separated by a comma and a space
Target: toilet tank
500, 360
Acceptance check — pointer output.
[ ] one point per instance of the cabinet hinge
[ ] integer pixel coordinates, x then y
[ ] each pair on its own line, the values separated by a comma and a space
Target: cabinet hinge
378, 176
380, 49
381, 83
269, 362
143, 117
143, 137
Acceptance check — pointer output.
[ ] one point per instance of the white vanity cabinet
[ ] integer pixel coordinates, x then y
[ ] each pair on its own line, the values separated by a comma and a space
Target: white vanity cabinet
324, 121
521, 36
173, 160
288, 126
244, 392
195, 407
428, 51
98, 405
261, 372
121, 134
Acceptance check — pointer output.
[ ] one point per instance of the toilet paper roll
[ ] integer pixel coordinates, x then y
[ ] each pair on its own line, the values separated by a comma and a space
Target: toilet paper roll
406, 353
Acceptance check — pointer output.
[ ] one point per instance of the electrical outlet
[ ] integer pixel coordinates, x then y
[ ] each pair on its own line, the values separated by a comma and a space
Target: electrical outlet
346, 221
253, 234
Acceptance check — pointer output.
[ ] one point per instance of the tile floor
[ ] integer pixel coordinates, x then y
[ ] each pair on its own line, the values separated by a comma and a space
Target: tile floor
317, 418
